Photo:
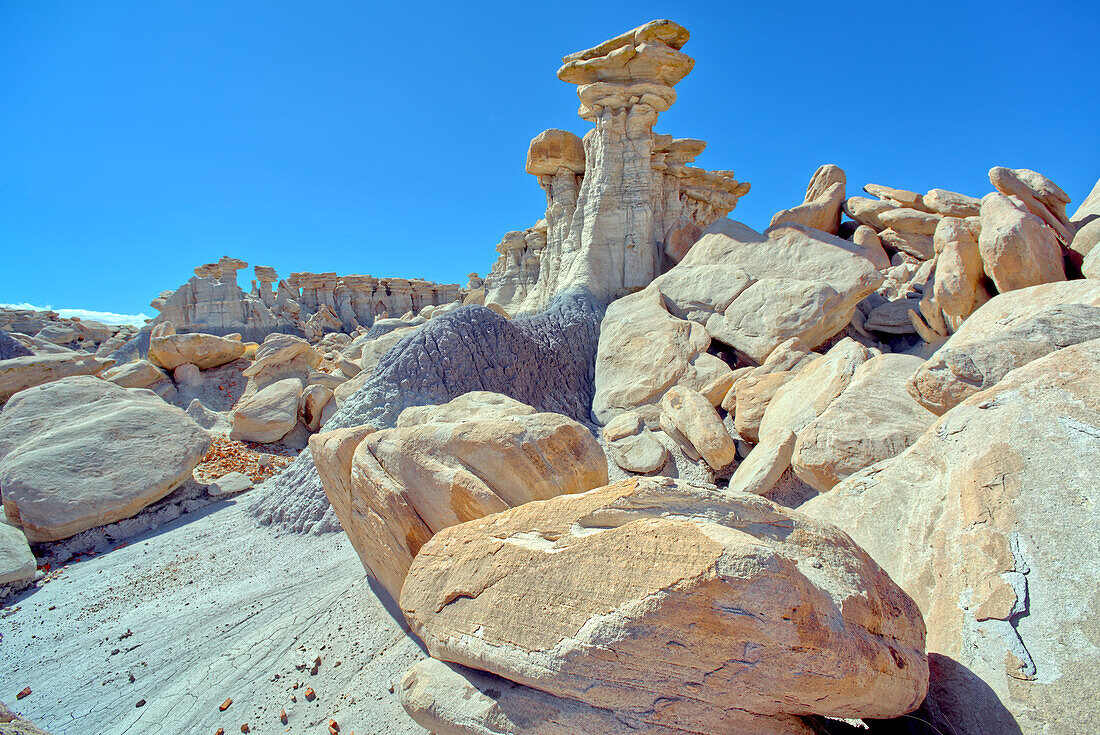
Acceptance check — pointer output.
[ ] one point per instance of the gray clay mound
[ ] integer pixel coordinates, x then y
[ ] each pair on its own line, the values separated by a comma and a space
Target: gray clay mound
9, 348
545, 360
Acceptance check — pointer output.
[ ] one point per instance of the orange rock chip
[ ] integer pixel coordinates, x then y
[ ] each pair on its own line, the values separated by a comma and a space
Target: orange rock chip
225, 705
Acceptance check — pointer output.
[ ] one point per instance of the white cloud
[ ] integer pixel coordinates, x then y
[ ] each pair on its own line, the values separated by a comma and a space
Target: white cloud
106, 317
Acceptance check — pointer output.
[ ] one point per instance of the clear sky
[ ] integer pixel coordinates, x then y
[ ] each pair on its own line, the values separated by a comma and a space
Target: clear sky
139, 139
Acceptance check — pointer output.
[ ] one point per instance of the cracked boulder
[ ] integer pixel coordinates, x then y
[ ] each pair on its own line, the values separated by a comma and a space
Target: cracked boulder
985, 522
687, 608
481, 453
82, 452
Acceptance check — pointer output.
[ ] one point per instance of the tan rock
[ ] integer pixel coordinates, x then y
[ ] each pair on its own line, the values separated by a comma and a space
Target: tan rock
311, 405
17, 563
977, 357
281, 356
404, 484
761, 469
752, 396
809, 393
910, 221
872, 420
1041, 196
897, 197
554, 149
632, 446
866, 211
871, 246
136, 374
695, 418
919, 246
820, 209
951, 204
1017, 249
269, 414
958, 266
984, 521
726, 586
202, 350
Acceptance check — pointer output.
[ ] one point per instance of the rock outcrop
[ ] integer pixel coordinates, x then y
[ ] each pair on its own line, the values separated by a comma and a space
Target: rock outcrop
622, 205
81, 452
689, 609
17, 563
479, 454
204, 351
304, 304
20, 373
983, 521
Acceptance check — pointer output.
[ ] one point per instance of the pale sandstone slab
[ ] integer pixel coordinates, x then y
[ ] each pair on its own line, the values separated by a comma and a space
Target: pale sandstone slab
20, 373
269, 414
136, 374
1017, 249
695, 418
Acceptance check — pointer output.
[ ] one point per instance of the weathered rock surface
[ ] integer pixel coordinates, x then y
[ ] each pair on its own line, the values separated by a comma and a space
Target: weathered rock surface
17, 563
269, 414
205, 351
404, 484
544, 361
20, 373
230, 483
980, 354
737, 588
957, 284
81, 452
984, 521
1017, 248
1041, 196
760, 471
872, 420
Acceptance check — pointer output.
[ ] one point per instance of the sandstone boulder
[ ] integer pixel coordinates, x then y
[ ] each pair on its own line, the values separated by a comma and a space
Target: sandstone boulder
957, 284
873, 419
1017, 249
976, 358
632, 446
871, 246
393, 489
9, 348
985, 521
311, 405
20, 373
1041, 196
281, 356
202, 350
951, 204
820, 208
696, 420
269, 414
689, 608
136, 374
81, 452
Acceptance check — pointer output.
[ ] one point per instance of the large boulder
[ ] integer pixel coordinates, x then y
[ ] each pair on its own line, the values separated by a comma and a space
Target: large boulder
393, 489
202, 350
1018, 250
688, 608
269, 414
989, 521
81, 452
697, 423
985, 349
136, 374
9, 348
874, 419
20, 373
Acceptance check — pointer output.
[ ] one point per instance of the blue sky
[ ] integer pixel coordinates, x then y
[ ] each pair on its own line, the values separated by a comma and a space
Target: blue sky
140, 139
